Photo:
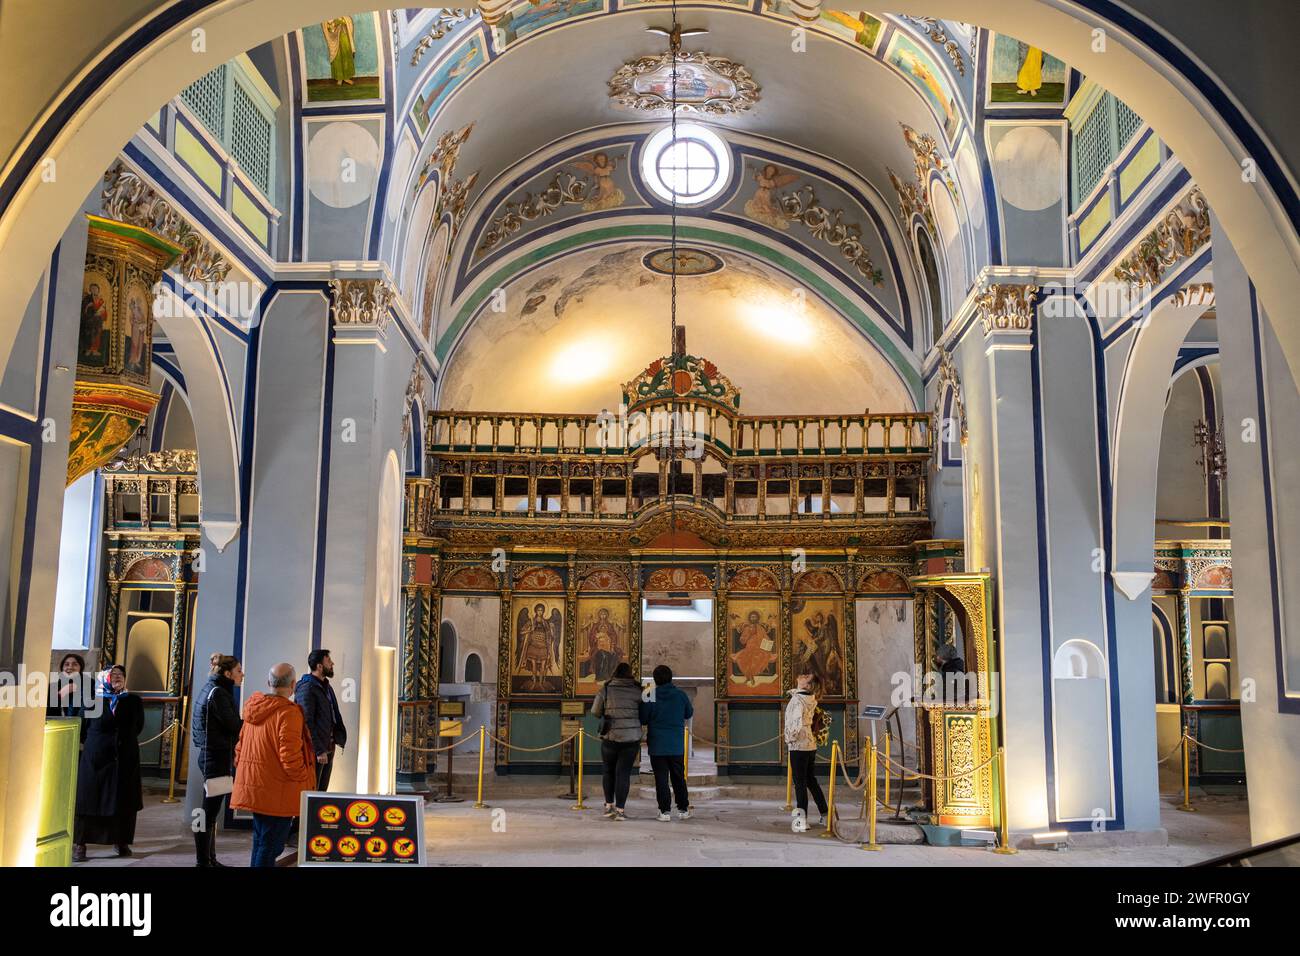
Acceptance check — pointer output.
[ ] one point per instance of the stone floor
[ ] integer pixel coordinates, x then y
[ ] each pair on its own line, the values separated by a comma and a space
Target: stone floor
534, 827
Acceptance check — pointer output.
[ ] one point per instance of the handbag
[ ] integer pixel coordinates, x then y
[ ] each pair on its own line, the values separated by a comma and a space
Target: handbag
215, 786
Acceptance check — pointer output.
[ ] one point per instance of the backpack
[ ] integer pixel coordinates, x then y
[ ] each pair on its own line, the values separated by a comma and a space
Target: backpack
821, 726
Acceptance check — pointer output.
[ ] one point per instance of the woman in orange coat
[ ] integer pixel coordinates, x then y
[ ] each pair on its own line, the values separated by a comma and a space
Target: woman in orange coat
275, 764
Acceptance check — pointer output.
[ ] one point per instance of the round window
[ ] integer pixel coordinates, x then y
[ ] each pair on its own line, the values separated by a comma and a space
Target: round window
691, 167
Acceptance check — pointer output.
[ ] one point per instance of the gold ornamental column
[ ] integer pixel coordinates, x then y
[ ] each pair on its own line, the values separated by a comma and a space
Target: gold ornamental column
111, 396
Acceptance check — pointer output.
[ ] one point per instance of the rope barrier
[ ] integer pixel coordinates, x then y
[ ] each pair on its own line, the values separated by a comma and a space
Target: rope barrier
1172, 750
916, 774
714, 743
161, 733
1217, 750
438, 750
532, 750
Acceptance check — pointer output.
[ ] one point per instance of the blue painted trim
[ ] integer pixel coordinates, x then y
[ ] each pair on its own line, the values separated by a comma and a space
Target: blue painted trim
323, 491
992, 211
299, 130
1171, 651
171, 370
160, 417
93, 555
1140, 226
181, 197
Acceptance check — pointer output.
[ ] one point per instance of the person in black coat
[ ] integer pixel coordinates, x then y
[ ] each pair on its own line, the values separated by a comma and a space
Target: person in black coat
72, 692
215, 726
108, 780
320, 709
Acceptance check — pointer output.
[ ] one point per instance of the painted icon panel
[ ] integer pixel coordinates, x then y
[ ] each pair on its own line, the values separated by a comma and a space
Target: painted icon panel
602, 640
753, 647
1022, 73
536, 646
818, 644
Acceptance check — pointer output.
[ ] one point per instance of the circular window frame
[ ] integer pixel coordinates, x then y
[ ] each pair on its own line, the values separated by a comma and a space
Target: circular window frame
663, 139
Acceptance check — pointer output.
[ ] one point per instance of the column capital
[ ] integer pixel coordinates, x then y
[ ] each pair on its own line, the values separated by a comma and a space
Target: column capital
1007, 307
364, 303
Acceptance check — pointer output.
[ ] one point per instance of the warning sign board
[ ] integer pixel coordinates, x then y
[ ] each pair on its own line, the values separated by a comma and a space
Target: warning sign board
361, 829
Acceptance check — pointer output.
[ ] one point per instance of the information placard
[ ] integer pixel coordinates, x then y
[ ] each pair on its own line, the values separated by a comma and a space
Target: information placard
361, 829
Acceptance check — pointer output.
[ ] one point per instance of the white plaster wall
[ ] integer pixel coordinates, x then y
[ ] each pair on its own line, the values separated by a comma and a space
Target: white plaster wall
477, 621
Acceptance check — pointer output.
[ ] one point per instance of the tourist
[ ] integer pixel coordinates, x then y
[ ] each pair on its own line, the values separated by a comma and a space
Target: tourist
618, 705
72, 693
665, 717
216, 726
320, 709
108, 779
275, 764
802, 744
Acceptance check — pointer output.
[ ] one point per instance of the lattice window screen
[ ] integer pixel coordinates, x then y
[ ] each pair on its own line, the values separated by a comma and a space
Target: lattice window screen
1129, 123
206, 97
1092, 150
250, 139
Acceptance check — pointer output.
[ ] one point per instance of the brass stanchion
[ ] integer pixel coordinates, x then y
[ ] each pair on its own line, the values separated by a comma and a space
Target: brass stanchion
829, 832
176, 733
789, 783
578, 805
479, 804
871, 843
686, 751
873, 769
1187, 776
1004, 829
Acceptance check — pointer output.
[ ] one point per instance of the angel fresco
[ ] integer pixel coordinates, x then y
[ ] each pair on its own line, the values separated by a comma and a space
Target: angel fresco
538, 656
763, 206
819, 651
607, 195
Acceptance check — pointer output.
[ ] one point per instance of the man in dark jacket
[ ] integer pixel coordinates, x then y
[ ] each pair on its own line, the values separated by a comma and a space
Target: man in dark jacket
321, 709
665, 716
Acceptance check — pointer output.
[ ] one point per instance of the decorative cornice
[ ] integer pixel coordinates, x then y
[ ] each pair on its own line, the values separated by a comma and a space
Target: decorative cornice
565, 188
914, 197
444, 22
1196, 293
947, 377
1183, 230
414, 389
934, 30
802, 205
1007, 308
167, 461
128, 198
361, 302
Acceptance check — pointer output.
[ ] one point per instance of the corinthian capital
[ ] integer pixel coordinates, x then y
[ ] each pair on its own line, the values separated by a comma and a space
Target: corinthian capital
1006, 307
361, 302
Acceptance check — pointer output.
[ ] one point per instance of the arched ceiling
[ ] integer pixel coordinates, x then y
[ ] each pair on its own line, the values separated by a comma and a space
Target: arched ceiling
832, 100
573, 331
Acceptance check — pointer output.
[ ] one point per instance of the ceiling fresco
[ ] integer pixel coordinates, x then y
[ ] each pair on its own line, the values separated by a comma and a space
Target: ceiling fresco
566, 335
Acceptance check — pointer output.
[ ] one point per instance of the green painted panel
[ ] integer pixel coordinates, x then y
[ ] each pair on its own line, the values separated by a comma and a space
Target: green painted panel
1222, 731
535, 728
58, 801
749, 725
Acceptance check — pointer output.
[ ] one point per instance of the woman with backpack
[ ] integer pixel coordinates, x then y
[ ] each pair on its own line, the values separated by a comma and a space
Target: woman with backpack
215, 727
618, 704
801, 740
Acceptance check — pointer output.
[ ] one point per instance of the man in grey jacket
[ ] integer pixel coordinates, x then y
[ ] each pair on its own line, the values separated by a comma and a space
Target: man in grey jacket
618, 704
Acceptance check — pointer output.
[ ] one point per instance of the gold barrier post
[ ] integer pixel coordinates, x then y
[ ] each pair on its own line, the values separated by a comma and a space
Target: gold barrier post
1187, 776
829, 832
789, 783
686, 751
578, 805
1004, 830
479, 804
871, 779
873, 769
176, 733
